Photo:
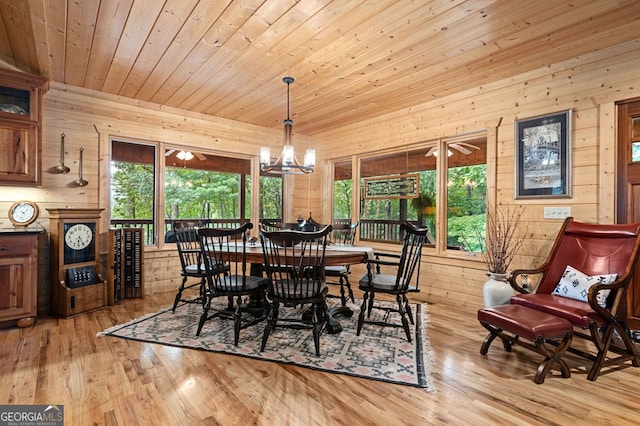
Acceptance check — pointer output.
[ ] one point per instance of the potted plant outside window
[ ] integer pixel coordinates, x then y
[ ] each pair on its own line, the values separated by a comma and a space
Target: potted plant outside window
424, 205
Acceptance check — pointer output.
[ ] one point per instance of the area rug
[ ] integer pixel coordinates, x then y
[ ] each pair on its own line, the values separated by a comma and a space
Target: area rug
379, 353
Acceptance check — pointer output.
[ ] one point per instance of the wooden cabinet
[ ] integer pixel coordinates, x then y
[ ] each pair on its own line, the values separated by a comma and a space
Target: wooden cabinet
20, 128
18, 277
126, 264
76, 285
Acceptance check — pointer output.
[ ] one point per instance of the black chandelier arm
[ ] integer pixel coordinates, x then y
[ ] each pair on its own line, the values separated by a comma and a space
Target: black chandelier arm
290, 164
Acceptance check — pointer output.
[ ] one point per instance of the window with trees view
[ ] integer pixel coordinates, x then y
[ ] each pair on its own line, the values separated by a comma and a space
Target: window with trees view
342, 190
211, 190
271, 198
464, 170
133, 183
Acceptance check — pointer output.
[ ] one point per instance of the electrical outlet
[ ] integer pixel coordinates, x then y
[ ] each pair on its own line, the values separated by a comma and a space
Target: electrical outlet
557, 212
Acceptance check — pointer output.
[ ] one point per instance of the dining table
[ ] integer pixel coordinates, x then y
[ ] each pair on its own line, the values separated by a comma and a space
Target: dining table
334, 255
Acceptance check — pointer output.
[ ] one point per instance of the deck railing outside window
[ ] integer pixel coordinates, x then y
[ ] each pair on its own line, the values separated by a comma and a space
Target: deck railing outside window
375, 230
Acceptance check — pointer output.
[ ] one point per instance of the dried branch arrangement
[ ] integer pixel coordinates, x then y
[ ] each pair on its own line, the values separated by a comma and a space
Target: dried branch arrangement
504, 237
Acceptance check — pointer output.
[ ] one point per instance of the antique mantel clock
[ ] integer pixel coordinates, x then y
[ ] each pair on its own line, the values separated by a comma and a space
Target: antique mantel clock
76, 286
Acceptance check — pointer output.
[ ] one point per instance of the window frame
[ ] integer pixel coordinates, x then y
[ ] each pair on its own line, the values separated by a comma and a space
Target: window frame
159, 176
440, 248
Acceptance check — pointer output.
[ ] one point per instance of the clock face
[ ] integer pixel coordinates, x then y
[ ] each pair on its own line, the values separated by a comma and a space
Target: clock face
78, 236
79, 242
23, 213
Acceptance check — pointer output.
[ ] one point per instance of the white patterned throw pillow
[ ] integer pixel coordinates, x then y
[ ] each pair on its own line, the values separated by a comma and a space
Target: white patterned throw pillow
575, 284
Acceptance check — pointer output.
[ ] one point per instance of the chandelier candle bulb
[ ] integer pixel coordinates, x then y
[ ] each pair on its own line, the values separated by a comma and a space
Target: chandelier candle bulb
287, 154
310, 158
265, 155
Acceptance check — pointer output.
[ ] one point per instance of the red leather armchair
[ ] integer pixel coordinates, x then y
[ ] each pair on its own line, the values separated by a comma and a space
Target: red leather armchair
595, 250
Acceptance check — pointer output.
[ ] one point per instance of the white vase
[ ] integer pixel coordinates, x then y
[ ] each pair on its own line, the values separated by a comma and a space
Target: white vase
496, 290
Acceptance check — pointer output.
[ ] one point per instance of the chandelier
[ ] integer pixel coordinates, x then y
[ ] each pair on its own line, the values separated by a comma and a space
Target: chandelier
287, 163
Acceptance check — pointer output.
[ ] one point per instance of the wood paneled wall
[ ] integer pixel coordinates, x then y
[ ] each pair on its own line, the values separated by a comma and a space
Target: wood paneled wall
89, 119
589, 85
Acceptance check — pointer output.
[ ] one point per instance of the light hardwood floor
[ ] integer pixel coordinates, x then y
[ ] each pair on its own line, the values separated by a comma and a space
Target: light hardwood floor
112, 381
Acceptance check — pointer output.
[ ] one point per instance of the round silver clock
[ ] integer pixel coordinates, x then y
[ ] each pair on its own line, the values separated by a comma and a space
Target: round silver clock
23, 213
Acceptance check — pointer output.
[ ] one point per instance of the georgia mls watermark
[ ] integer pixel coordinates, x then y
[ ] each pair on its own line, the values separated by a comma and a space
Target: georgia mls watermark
31, 415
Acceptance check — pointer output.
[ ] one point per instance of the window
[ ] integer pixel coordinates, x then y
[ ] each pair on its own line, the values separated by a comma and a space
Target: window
133, 184
210, 189
271, 198
453, 186
466, 195
342, 191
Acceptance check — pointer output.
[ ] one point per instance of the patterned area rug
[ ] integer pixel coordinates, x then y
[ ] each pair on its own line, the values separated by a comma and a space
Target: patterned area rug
379, 353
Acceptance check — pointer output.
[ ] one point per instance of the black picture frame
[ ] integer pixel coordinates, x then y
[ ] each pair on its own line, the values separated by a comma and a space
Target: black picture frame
543, 156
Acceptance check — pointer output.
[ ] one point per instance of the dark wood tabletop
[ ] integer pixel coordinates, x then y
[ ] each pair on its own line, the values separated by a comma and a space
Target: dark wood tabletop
334, 255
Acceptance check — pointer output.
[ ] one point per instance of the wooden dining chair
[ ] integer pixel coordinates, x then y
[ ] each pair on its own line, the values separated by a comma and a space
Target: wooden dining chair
397, 284
224, 254
343, 234
188, 245
294, 261
270, 225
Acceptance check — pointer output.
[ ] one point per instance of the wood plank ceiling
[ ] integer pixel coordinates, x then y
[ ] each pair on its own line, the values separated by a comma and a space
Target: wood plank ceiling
352, 59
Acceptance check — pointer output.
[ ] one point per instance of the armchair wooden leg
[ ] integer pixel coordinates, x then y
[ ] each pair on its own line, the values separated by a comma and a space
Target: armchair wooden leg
603, 344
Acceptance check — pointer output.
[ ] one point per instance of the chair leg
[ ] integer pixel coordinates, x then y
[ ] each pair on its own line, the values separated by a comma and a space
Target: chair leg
403, 315
370, 306
317, 327
270, 325
178, 298
343, 297
203, 288
363, 308
348, 284
237, 323
603, 344
206, 304
407, 307
179, 294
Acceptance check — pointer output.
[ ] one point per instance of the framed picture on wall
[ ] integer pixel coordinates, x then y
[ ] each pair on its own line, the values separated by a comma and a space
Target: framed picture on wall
543, 156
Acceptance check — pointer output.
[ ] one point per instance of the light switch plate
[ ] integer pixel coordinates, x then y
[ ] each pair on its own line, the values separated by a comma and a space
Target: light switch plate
557, 212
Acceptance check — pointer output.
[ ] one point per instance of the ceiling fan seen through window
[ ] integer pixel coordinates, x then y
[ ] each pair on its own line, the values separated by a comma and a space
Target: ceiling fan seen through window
185, 155
461, 147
